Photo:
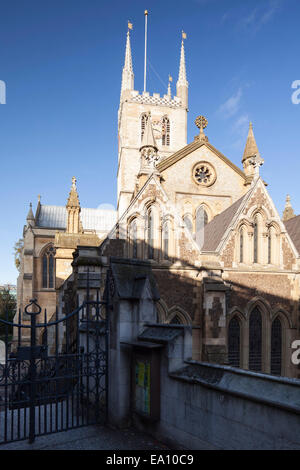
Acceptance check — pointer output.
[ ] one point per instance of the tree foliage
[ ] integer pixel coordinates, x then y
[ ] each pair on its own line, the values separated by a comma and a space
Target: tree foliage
18, 248
8, 308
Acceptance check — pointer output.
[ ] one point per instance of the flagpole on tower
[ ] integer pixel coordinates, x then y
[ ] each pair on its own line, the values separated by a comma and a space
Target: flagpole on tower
145, 63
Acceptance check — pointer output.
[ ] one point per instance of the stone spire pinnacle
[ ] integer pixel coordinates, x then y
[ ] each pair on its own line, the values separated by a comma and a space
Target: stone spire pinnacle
127, 74
73, 208
73, 200
30, 217
182, 83
251, 149
169, 90
182, 70
288, 212
251, 158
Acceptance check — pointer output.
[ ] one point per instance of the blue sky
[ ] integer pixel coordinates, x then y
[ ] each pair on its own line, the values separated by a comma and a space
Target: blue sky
61, 61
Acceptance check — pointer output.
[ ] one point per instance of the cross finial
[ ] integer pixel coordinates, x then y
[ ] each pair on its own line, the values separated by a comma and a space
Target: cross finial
201, 123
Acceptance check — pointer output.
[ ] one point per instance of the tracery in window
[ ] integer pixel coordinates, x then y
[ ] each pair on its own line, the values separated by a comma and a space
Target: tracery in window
48, 268
204, 174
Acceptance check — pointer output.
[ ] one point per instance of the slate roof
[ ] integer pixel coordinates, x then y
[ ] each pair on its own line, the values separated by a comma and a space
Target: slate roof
215, 229
293, 229
55, 217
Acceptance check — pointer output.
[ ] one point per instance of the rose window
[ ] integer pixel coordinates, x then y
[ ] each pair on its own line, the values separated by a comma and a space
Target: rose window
204, 174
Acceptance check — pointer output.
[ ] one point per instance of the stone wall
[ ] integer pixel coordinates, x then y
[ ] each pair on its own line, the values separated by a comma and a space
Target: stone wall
205, 406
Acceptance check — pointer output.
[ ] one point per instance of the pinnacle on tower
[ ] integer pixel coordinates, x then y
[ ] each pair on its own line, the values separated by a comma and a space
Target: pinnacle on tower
30, 217
73, 208
127, 74
251, 158
182, 83
288, 212
251, 149
73, 200
182, 70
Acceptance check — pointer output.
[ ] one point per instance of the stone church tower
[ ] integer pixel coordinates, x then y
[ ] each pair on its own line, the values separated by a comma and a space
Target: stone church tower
168, 118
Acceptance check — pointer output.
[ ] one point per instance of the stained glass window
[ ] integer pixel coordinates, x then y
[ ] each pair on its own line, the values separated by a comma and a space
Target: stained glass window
48, 266
255, 341
150, 230
133, 238
255, 242
276, 347
234, 339
241, 245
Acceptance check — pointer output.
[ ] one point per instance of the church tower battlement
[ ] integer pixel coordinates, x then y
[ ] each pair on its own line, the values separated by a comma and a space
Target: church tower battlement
168, 118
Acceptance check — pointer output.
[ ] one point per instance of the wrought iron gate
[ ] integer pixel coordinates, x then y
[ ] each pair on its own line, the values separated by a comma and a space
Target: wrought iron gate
55, 377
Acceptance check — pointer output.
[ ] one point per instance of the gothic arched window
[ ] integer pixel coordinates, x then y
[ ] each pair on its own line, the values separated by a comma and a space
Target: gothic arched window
133, 238
165, 131
241, 245
150, 233
143, 124
255, 241
201, 221
234, 341
48, 267
276, 347
165, 238
255, 341
269, 248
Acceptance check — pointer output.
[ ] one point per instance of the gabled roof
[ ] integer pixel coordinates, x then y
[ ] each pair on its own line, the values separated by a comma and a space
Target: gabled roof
55, 217
167, 162
215, 229
293, 229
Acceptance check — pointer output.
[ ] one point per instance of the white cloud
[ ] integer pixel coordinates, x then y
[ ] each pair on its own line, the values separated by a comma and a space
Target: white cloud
241, 124
231, 106
259, 16
106, 207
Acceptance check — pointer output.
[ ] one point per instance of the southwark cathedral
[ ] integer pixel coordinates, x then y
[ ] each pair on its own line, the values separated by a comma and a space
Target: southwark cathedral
224, 260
